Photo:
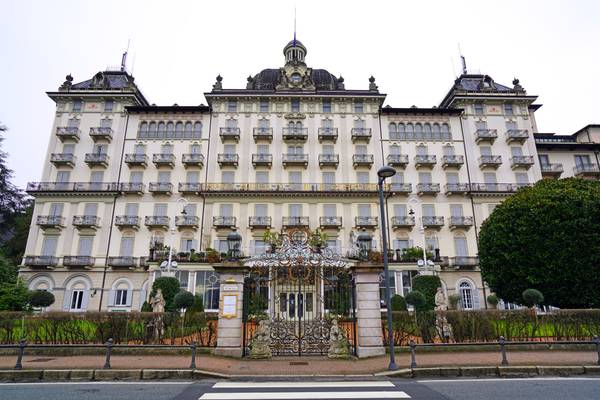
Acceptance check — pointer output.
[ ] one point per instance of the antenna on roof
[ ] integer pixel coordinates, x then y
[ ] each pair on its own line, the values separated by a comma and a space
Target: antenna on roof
463, 61
124, 58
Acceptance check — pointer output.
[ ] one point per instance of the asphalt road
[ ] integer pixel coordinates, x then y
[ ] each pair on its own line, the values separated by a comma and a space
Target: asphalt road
451, 389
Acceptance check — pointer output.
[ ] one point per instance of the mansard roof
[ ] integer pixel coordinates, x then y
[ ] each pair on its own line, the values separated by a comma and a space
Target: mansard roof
478, 85
267, 79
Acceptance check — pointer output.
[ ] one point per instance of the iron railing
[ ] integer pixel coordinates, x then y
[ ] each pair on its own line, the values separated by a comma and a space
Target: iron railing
295, 133
335, 222
329, 159
187, 221
136, 159
229, 133
122, 261
586, 169
461, 221
521, 161
186, 187
192, 159
552, 168
160, 187
259, 222
262, 133
62, 158
68, 133
227, 158
86, 221
486, 135
397, 160
328, 134
294, 221
432, 221
224, 221
157, 220
490, 160
43, 187
132, 187
452, 161
262, 159
362, 159
96, 158
517, 135
101, 133
360, 134
456, 188
428, 188
50, 220
127, 220
403, 221
163, 158
366, 222
425, 159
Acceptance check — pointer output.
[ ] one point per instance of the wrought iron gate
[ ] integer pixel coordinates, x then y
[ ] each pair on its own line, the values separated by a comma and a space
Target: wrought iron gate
301, 289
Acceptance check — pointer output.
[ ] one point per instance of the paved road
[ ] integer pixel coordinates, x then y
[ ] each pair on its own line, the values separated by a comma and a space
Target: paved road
452, 389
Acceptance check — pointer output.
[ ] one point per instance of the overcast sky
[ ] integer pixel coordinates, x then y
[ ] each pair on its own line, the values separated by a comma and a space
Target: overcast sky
178, 47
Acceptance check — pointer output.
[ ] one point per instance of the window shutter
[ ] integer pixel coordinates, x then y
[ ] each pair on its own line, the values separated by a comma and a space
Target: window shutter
111, 298
143, 295
476, 304
129, 298
84, 301
67, 300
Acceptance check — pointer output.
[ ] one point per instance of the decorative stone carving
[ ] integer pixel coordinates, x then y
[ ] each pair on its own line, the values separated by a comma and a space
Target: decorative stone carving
260, 345
157, 325
219, 83
67, 83
372, 86
338, 343
441, 323
440, 300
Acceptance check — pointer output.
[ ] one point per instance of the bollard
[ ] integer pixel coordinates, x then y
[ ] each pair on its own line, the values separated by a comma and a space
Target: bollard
597, 340
109, 345
193, 364
413, 355
22, 344
502, 343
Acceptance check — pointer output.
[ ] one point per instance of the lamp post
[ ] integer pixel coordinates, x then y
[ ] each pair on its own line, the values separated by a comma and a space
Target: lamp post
234, 241
411, 212
167, 266
384, 173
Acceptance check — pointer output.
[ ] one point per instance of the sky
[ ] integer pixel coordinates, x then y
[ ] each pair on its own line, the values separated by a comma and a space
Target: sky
177, 48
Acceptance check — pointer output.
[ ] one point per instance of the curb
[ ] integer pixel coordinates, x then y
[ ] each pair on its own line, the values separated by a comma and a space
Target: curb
521, 371
59, 375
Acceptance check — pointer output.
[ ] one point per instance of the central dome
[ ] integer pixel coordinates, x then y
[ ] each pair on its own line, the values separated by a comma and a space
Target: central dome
267, 79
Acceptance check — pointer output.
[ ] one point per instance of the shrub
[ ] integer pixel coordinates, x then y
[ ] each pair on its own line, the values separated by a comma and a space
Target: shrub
198, 305
532, 297
14, 296
427, 285
453, 301
146, 307
398, 303
183, 299
169, 287
417, 300
493, 300
41, 298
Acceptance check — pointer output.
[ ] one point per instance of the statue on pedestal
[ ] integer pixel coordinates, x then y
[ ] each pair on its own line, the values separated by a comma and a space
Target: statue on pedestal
441, 323
338, 343
158, 307
260, 345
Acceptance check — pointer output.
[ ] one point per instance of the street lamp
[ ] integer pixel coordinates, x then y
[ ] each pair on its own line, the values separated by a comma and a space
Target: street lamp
234, 241
167, 266
425, 264
384, 173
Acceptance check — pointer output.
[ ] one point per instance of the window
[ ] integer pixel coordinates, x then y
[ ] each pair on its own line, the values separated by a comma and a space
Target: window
160, 209
362, 177
77, 104
264, 106
108, 105
263, 124
360, 149
207, 286
105, 123
295, 105
329, 178
358, 106
186, 245
143, 132
406, 281
485, 150
126, 246
188, 130
489, 178
100, 149
197, 134
56, 209
359, 124
428, 210
140, 149
446, 132
179, 130
456, 210
326, 105
425, 177
166, 149
228, 176
460, 246
295, 210
262, 177
328, 149
262, 149
77, 300
90, 209
516, 151
479, 110
364, 210
382, 288
63, 176
508, 109
448, 150
68, 148
329, 210
511, 126
164, 176
452, 177
260, 210
582, 161
121, 297
466, 296
394, 149
232, 106
295, 177
258, 246
400, 210
170, 130
544, 159
421, 150
401, 132
131, 209
226, 210
192, 177
85, 246
183, 277
481, 125
49, 245
393, 131
522, 178
190, 210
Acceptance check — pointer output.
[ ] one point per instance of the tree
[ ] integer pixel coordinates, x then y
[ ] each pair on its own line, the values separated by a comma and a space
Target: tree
11, 197
8, 270
427, 285
545, 237
532, 297
493, 300
417, 300
14, 297
16, 239
183, 299
398, 303
169, 287
41, 298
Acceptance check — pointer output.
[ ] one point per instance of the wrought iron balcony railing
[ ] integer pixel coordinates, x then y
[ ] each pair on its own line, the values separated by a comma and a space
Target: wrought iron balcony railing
66, 159
365, 222
189, 188
362, 160
329, 159
464, 261
163, 159
456, 188
460, 222
586, 169
360, 134
432, 221
330, 222
493, 187
304, 189
41, 261
554, 169
397, 160
490, 161
404, 221
157, 221
400, 188
79, 261
229, 133
486, 135
68, 133
425, 160
452, 161
96, 159
262, 134
224, 222
122, 262
136, 159
428, 188
130, 221
131, 187
160, 187
517, 135
521, 162
187, 221
295, 221
80, 187
190, 159
295, 134
328, 134
228, 159
50, 221
262, 159
295, 159
86, 221
101, 133
259, 222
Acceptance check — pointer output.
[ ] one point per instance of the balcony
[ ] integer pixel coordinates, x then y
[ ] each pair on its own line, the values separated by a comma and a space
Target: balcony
486, 135
552, 170
127, 221
41, 261
86, 221
295, 134
122, 262
400, 188
296, 189
517, 136
101, 134
189, 188
50, 221
79, 187
432, 222
160, 188
295, 159
425, 161
262, 134
521, 162
225, 159
224, 222
67, 133
460, 222
452, 161
397, 160
259, 222
493, 188
362, 160
360, 135
229, 134
456, 188
164, 160
431, 189
157, 221
586, 171
263, 160
62, 159
294, 221
136, 160
403, 222
330, 222
132, 188
365, 222
329, 160
79, 261
464, 262
328, 135
490, 161
187, 221
96, 159
192, 160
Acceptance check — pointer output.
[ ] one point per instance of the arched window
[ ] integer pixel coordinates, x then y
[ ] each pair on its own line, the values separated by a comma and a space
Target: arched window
121, 293
197, 130
179, 130
152, 130
427, 131
466, 295
299, 125
401, 132
410, 130
393, 132
188, 130
77, 294
161, 130
143, 130
170, 130
419, 131
446, 132
436, 132
41, 282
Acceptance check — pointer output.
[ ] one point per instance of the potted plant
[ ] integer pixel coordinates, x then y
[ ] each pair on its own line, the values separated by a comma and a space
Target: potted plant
273, 238
318, 240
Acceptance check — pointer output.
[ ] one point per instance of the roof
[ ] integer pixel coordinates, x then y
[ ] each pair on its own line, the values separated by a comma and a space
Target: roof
167, 109
418, 110
267, 79
484, 85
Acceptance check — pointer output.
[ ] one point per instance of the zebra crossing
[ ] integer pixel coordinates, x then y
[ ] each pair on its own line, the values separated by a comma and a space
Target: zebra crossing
304, 390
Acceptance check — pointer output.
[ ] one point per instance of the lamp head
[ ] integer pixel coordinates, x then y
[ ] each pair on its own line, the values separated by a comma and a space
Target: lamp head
411, 212
386, 172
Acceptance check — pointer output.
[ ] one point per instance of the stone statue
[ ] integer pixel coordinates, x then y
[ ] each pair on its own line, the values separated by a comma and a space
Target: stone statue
260, 345
158, 306
338, 344
158, 302
440, 300
441, 323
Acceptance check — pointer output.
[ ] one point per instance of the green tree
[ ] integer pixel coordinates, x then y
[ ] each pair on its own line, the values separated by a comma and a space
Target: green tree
545, 237
16, 237
417, 300
427, 285
532, 297
14, 297
169, 287
183, 299
11, 197
398, 303
41, 298
8, 270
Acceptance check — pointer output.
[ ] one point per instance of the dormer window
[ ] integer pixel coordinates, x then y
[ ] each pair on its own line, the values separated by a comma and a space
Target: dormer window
358, 106
77, 105
479, 110
508, 109
326, 105
295, 103
232, 106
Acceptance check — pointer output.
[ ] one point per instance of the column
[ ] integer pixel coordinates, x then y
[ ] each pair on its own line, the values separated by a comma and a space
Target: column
368, 310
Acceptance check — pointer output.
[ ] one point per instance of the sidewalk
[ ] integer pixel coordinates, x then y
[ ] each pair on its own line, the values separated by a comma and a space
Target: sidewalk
303, 365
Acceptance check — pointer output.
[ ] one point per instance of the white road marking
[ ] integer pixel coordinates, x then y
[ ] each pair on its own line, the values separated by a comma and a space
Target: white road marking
96, 383
507, 379
237, 385
303, 395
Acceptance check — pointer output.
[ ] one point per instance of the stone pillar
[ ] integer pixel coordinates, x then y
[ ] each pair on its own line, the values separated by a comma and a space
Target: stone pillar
230, 327
368, 310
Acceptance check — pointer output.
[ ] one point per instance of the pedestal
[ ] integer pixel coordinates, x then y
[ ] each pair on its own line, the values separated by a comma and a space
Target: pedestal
230, 327
368, 310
